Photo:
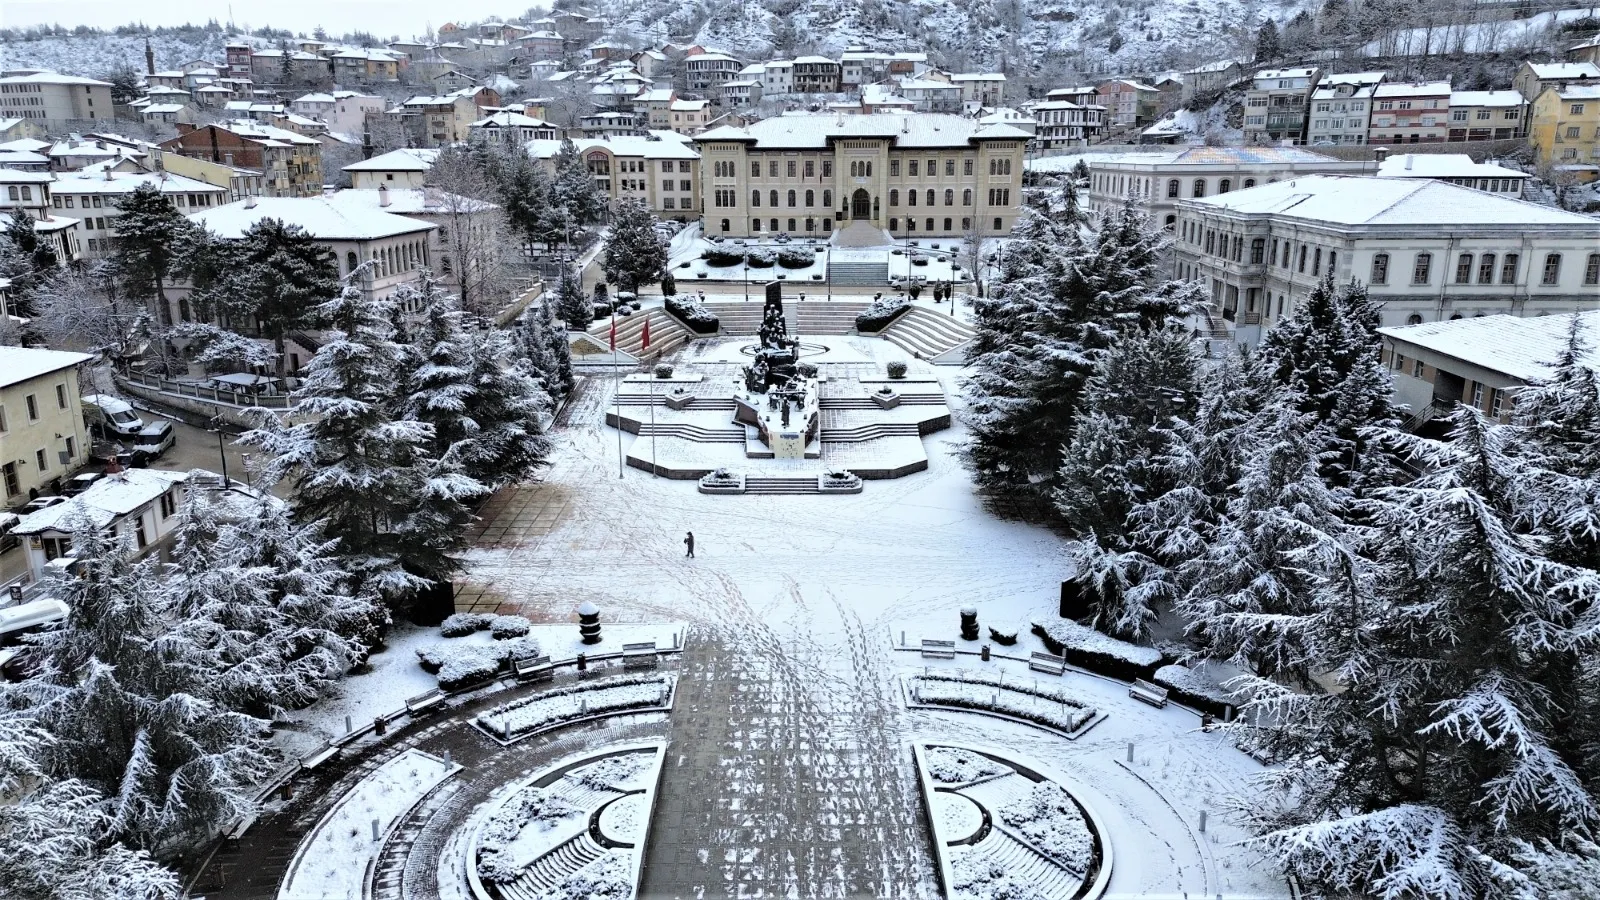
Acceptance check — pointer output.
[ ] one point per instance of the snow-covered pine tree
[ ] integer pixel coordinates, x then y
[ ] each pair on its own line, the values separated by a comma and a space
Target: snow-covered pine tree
359, 466
634, 255
277, 275
153, 241
1328, 354
574, 189
1437, 762
29, 259
1561, 412
126, 693
55, 841
572, 307
546, 355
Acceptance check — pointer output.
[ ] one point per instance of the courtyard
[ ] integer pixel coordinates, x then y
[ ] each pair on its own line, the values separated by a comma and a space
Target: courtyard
788, 767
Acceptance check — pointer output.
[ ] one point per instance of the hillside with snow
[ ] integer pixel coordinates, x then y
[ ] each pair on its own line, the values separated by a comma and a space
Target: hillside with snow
99, 54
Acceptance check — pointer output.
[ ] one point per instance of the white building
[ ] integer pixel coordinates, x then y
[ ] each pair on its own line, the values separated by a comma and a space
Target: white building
664, 172
434, 207
1341, 108
48, 95
1455, 168
137, 505
406, 168
1428, 251
1159, 181
1064, 124
93, 197
980, 88
508, 128
1275, 105
42, 434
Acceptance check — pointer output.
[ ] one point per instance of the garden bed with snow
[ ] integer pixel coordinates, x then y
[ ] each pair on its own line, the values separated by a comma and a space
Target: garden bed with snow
1083, 646
1042, 707
1194, 689
548, 709
1052, 823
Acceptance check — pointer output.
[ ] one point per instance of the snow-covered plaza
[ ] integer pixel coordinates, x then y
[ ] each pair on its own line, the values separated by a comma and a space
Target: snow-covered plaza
789, 767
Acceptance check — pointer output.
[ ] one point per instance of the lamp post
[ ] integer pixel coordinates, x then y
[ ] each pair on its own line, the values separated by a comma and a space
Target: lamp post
222, 450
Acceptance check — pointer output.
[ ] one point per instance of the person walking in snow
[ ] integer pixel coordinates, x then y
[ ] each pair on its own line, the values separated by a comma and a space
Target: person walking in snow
688, 542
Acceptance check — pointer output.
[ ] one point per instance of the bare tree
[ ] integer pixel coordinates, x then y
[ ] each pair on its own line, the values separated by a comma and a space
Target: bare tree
460, 197
81, 309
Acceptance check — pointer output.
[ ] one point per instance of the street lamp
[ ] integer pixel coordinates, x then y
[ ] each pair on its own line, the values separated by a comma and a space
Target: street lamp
215, 427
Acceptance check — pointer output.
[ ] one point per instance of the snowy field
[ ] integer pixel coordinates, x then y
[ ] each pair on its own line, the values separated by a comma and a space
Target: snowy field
816, 589
944, 260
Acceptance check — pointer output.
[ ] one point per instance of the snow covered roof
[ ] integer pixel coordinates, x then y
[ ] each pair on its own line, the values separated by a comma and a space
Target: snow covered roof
1286, 73
978, 76
1357, 200
1518, 346
101, 503
623, 145
407, 201
53, 78
320, 218
1367, 78
659, 95
163, 108
16, 176
689, 105
1485, 98
815, 60
809, 131
1412, 89
257, 131
509, 119
26, 145
1559, 70
1219, 66
19, 364
1442, 165
21, 158
1579, 92
1233, 156
407, 159
313, 98
106, 181
924, 84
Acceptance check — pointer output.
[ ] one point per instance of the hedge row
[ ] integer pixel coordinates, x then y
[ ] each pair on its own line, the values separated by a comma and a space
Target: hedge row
699, 319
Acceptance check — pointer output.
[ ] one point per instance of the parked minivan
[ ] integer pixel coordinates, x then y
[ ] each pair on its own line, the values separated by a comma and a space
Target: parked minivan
25, 618
111, 414
154, 439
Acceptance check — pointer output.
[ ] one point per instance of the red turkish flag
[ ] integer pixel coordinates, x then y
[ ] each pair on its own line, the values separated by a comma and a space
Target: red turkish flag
646, 333
613, 331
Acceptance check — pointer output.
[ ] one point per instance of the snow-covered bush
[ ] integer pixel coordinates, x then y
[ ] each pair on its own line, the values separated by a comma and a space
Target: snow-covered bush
663, 371
795, 257
614, 773
1193, 689
760, 258
979, 692
532, 805
609, 879
720, 256
1052, 821
1003, 638
463, 624
1083, 646
883, 310
896, 369
953, 765
699, 319
506, 627
553, 707
459, 665
982, 877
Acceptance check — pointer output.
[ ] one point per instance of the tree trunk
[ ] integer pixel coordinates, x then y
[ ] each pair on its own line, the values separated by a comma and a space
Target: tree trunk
278, 344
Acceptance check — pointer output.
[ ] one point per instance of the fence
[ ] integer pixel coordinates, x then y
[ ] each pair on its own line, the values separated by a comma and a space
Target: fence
208, 393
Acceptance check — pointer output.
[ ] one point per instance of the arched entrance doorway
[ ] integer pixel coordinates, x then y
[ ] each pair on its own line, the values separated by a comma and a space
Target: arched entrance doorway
860, 204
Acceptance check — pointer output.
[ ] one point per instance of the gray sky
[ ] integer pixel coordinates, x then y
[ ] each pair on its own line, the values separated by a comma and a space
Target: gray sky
381, 17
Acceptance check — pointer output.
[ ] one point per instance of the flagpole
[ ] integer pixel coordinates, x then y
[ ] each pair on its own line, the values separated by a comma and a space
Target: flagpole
616, 369
642, 350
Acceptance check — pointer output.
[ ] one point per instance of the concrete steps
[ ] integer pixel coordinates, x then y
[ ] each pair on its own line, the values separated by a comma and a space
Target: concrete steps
870, 432
543, 878
807, 317
781, 485
866, 402
927, 334
701, 404
666, 335
864, 274
693, 433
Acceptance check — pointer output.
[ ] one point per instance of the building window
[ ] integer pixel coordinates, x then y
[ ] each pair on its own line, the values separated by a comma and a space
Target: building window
791, 199
1316, 263
1172, 188
827, 199
1422, 269
1249, 182
772, 169
1496, 402
61, 393
1333, 262
1416, 365
827, 168
42, 459
1486, 269
894, 224
1225, 185
911, 198
755, 169
1591, 269
774, 224
949, 167
789, 169
1508, 269
1300, 264
894, 168
1199, 187
1464, 269
139, 536
772, 197
811, 198
997, 225
911, 168
1258, 251
966, 197
1477, 395
33, 408
949, 198
1552, 269
930, 196
811, 168
726, 226
792, 229
894, 198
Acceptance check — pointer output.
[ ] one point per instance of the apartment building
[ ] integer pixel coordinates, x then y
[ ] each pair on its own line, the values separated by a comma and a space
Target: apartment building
690, 116
817, 75
980, 88
734, 94
930, 96
42, 434
777, 75
238, 181
1532, 78
1428, 251
656, 106
32, 193
704, 71
511, 129
1455, 168
1341, 107
1416, 112
1565, 129
1129, 103
1482, 361
398, 169
94, 198
290, 164
1064, 124
665, 174
1487, 116
1210, 79
367, 66
910, 175
1160, 182
51, 96
1275, 106
302, 67
438, 121
858, 67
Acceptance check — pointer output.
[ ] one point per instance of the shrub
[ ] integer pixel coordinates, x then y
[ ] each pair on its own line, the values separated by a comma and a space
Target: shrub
882, 311
897, 369
806, 370
718, 256
624, 310
463, 624
761, 258
795, 258
669, 285
920, 261
1083, 646
459, 666
504, 627
663, 371
627, 298
1193, 689
1003, 638
699, 319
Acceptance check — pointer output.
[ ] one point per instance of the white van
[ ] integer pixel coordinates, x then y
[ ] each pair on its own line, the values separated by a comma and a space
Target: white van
38, 615
114, 415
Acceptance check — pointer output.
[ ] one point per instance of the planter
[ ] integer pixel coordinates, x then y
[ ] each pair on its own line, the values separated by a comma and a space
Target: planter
679, 400
722, 482
839, 481
886, 400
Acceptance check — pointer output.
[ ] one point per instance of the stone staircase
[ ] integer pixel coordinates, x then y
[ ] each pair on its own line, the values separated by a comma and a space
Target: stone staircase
544, 878
694, 433
666, 335
859, 273
701, 404
928, 334
763, 484
809, 317
875, 430
866, 402
738, 318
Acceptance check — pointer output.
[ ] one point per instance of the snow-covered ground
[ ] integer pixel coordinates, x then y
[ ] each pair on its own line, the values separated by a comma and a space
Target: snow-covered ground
1477, 37
943, 260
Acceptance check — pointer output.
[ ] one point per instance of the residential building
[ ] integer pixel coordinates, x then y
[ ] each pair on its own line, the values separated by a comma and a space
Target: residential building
656, 105
213, 96
1064, 124
398, 169
51, 96
512, 129
1532, 78
910, 175
13, 128
1085, 95
23, 160
1588, 51
238, 181
167, 114
858, 67
314, 105
367, 66
32, 193
1427, 250
1455, 168
907, 62
649, 63
1128, 103
1482, 361
881, 98
138, 506
777, 76
929, 96
612, 124
1275, 106
704, 71
1487, 116
79, 152
690, 116
237, 55
1211, 79
93, 197
542, 44
1410, 113
302, 68
42, 434
1565, 129
980, 88
734, 94
664, 173
1159, 182
290, 164
816, 75
350, 111
437, 121
1341, 108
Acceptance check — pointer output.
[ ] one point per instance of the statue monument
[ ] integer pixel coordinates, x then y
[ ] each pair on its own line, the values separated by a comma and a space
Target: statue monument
775, 374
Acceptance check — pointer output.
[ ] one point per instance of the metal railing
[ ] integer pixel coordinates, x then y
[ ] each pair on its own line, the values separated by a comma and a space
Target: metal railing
208, 393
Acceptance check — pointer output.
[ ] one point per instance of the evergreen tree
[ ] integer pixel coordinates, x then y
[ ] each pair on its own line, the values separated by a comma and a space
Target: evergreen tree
1080, 173
1267, 48
278, 275
360, 467
634, 254
30, 260
152, 237
572, 307
574, 190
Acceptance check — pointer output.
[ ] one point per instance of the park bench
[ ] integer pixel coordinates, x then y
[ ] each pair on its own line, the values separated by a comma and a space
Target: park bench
317, 758
639, 656
426, 701
938, 649
236, 832
1153, 694
532, 667
1048, 663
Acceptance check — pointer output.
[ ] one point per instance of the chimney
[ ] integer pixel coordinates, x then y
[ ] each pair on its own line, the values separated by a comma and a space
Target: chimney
108, 173
1380, 153
227, 159
383, 195
250, 202
1409, 158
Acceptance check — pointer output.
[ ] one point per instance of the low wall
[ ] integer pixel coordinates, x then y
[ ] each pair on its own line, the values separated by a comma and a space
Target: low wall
189, 406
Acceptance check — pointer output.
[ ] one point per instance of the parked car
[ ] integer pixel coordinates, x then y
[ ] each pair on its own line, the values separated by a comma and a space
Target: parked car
114, 415
8, 521
17, 658
79, 483
155, 439
39, 503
